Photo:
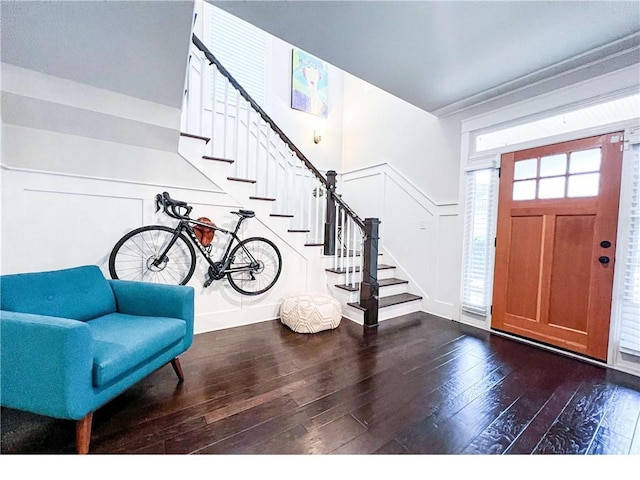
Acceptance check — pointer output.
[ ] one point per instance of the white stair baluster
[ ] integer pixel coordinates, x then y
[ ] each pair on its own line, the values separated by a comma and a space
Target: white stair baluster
236, 139
301, 198
214, 108
342, 238
335, 240
354, 235
278, 195
225, 119
257, 159
316, 213
288, 185
361, 241
322, 216
294, 199
247, 139
350, 257
308, 197
268, 163
187, 106
203, 96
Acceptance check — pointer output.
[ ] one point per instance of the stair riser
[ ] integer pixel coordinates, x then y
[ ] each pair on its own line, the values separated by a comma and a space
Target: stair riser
240, 190
340, 278
386, 290
384, 314
393, 289
192, 149
399, 309
353, 314
343, 296
386, 273
217, 170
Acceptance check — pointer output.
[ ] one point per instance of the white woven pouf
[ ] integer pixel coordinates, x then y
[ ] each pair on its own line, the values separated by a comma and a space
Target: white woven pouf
310, 312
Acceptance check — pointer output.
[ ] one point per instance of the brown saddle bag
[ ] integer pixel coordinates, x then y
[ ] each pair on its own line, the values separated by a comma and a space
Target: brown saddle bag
204, 234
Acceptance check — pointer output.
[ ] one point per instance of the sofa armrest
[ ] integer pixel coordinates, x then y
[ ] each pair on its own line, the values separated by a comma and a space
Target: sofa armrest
46, 364
156, 300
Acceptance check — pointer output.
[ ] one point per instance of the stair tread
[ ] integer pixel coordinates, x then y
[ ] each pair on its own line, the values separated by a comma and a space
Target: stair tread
298, 231
390, 300
246, 180
284, 215
314, 244
383, 282
381, 266
267, 199
397, 299
218, 159
191, 135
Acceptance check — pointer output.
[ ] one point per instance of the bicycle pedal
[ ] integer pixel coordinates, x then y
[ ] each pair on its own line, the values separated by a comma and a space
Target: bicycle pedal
207, 282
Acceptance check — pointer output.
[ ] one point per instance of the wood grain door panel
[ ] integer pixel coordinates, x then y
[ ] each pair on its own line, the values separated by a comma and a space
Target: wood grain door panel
549, 284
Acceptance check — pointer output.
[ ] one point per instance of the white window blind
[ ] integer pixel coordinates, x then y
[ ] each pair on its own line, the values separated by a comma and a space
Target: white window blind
478, 240
241, 48
630, 304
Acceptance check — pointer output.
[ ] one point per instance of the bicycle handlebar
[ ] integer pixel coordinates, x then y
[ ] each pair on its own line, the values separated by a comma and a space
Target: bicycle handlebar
171, 207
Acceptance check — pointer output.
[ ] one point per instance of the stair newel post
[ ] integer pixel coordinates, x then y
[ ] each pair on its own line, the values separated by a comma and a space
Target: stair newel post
369, 284
330, 215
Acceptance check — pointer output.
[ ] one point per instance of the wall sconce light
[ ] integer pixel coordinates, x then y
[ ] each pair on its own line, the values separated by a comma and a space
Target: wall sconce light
317, 136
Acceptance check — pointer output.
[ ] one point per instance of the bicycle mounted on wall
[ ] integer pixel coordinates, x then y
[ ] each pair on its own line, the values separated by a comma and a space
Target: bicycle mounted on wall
161, 254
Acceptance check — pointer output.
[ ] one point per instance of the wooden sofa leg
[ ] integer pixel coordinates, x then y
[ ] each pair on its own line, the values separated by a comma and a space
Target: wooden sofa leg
175, 363
83, 434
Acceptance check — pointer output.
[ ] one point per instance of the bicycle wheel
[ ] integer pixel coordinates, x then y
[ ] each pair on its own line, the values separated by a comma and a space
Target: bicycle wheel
133, 256
262, 262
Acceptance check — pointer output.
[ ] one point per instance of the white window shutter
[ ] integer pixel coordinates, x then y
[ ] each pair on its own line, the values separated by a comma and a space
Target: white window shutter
242, 49
478, 240
630, 303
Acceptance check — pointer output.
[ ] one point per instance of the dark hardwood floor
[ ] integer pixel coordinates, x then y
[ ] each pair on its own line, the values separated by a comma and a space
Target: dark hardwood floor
418, 385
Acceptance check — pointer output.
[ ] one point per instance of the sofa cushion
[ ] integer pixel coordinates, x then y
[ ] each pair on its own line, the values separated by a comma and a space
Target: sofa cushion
79, 293
122, 342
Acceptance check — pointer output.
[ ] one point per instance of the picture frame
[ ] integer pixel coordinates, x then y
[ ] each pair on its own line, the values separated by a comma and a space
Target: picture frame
309, 84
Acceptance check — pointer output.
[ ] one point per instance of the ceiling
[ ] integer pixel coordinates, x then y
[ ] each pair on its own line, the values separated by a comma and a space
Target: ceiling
447, 56
138, 48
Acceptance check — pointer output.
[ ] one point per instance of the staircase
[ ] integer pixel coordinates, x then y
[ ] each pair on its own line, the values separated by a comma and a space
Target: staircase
252, 160
393, 300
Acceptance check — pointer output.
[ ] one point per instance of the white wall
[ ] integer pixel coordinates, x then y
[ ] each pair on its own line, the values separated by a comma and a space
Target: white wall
299, 126
400, 164
381, 128
421, 238
74, 180
58, 125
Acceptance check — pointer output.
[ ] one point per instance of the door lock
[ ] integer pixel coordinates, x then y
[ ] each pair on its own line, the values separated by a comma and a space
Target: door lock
604, 260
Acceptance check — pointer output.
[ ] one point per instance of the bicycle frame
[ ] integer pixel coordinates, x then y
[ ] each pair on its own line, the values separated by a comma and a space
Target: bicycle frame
186, 225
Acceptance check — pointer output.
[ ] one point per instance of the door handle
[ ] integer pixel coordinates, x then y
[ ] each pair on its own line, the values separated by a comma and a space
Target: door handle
604, 260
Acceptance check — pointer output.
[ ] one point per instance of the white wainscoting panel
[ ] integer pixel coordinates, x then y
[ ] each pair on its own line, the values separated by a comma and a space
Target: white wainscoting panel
419, 236
53, 221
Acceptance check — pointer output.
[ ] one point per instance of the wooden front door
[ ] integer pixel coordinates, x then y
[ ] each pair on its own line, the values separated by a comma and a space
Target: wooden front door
556, 240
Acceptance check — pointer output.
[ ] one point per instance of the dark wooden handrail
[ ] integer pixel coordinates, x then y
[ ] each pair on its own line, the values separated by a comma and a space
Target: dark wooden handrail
213, 60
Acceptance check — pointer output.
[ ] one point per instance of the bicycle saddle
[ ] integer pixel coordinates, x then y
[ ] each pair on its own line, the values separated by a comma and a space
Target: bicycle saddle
245, 213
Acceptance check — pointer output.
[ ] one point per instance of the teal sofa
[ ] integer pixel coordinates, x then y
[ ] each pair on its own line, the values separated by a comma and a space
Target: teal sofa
72, 340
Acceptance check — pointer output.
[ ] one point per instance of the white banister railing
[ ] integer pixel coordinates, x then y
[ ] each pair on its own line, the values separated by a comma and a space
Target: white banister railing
216, 108
349, 238
240, 131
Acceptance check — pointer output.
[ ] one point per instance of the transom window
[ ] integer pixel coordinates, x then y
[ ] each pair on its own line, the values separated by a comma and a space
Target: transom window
572, 175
